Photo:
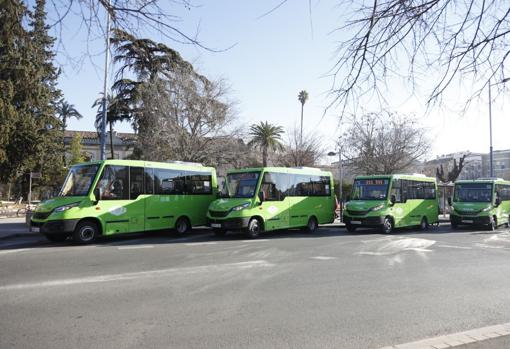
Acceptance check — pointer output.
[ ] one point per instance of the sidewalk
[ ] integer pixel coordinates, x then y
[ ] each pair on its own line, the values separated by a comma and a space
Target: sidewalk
11, 227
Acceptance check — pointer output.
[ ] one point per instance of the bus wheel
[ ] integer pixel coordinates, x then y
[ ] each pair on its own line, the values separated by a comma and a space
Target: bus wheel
56, 237
454, 225
312, 225
85, 232
219, 232
182, 225
424, 224
387, 227
254, 228
493, 224
350, 228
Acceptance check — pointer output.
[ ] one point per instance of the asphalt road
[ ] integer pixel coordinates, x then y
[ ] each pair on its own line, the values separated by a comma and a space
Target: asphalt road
285, 290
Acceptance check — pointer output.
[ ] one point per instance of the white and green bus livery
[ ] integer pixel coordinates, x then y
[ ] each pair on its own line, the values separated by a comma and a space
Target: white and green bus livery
124, 196
392, 201
271, 198
484, 201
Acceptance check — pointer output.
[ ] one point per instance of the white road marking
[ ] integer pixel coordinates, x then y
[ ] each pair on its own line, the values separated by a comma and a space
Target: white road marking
134, 247
14, 251
201, 243
458, 247
457, 339
142, 274
323, 258
256, 240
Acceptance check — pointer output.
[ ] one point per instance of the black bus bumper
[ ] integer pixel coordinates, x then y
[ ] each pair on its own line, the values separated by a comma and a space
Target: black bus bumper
481, 220
57, 227
229, 224
376, 221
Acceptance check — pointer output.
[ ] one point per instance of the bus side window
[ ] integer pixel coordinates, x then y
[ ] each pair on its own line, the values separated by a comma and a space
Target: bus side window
396, 189
136, 176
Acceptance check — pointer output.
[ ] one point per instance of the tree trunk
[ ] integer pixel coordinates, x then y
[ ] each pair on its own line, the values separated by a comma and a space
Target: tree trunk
111, 140
301, 134
264, 156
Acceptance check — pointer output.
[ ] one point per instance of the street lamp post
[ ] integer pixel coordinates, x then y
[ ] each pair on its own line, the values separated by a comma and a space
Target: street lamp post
340, 169
491, 168
102, 138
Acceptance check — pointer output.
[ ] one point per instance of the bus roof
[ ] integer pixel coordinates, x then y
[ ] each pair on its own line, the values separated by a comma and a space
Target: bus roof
170, 165
295, 170
482, 180
415, 176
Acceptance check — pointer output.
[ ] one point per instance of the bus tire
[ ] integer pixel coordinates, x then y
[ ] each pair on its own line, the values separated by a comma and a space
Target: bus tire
254, 228
182, 225
424, 224
454, 225
350, 228
56, 237
493, 223
219, 232
312, 225
387, 227
85, 232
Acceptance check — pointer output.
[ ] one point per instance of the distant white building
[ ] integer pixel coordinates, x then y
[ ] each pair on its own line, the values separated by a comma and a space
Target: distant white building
122, 144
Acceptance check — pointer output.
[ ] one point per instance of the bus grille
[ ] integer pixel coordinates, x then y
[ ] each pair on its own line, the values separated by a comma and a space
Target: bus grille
218, 213
357, 213
467, 213
41, 215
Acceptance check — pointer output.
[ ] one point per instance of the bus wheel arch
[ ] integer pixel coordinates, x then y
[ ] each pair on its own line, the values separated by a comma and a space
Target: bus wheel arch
182, 225
87, 230
255, 226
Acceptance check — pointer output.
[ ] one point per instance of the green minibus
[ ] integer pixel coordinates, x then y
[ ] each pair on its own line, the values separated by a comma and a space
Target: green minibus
484, 201
123, 196
392, 201
271, 198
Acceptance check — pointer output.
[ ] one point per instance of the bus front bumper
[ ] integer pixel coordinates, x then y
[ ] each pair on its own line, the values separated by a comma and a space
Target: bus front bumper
229, 223
375, 221
54, 227
478, 220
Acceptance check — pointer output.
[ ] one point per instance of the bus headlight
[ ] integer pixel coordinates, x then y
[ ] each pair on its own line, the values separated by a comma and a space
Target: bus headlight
66, 207
377, 208
240, 207
488, 208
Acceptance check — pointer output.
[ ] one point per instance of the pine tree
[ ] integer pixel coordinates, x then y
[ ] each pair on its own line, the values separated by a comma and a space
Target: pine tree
76, 150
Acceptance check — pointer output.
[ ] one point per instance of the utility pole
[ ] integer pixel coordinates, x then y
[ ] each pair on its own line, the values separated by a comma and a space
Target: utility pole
490, 133
105, 87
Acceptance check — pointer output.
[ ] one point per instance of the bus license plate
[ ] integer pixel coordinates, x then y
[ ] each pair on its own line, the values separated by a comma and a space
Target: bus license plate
467, 221
35, 229
355, 222
215, 225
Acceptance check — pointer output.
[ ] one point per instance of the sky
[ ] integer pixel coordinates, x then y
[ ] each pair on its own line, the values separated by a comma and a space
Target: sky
267, 60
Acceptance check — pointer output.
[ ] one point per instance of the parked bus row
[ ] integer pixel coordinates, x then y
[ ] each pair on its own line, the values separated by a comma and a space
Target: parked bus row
122, 196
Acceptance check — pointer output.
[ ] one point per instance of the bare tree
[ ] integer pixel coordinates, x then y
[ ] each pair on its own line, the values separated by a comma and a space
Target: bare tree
455, 40
297, 152
384, 143
453, 173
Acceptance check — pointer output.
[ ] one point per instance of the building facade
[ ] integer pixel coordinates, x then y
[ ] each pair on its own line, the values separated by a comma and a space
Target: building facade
122, 144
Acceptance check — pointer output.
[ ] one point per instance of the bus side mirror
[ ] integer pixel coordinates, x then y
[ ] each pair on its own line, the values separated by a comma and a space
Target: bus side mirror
449, 201
497, 201
404, 199
262, 196
97, 195
393, 199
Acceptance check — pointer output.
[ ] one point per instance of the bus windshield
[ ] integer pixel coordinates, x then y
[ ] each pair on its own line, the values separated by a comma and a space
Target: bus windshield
473, 192
242, 185
370, 189
78, 180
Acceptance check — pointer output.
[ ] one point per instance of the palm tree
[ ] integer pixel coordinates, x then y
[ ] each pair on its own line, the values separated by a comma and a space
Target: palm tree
302, 97
266, 136
117, 111
67, 111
